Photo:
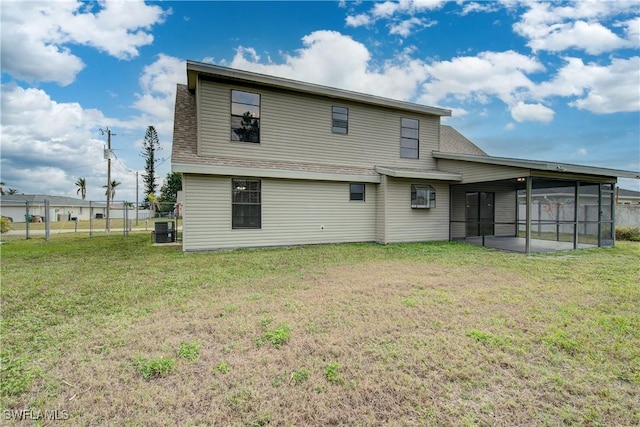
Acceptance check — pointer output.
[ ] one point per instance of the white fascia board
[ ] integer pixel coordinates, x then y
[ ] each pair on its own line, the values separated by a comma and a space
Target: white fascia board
231, 74
537, 165
403, 173
272, 173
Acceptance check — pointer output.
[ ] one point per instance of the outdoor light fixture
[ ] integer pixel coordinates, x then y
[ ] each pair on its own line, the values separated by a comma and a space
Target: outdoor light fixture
521, 179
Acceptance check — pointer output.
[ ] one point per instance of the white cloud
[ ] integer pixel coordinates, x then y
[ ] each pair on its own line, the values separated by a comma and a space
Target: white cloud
401, 14
597, 88
509, 126
580, 25
405, 28
358, 20
332, 59
582, 152
158, 83
46, 145
478, 78
477, 7
37, 36
594, 38
522, 112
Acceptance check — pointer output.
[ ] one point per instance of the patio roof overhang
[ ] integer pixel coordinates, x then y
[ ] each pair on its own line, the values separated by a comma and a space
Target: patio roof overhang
536, 165
418, 173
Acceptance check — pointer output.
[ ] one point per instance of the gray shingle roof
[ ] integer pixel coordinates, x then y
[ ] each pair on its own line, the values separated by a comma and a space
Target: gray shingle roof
452, 141
9, 199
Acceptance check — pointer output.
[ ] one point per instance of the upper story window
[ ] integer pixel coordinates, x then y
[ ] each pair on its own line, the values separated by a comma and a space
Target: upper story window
339, 120
245, 116
409, 138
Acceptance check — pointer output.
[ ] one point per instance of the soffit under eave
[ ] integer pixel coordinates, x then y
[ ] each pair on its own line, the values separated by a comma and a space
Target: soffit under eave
417, 174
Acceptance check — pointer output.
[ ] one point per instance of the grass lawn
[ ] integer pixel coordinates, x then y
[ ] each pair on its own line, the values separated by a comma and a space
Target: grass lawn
113, 331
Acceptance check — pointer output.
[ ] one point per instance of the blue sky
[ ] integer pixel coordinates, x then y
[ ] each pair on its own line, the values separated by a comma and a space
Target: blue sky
524, 79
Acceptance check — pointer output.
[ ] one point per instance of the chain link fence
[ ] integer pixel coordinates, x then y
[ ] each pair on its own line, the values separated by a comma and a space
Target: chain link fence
46, 219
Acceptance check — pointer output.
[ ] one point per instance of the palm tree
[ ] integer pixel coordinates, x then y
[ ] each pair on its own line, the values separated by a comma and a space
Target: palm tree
153, 204
114, 184
2, 188
81, 183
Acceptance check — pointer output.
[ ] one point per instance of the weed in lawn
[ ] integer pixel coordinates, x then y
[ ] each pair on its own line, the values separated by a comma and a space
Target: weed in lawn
409, 302
559, 339
265, 322
278, 336
230, 308
189, 351
299, 376
222, 367
153, 368
16, 378
332, 373
228, 348
312, 328
486, 338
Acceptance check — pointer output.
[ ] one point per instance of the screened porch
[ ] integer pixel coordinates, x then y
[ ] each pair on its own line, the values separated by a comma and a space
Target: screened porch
534, 214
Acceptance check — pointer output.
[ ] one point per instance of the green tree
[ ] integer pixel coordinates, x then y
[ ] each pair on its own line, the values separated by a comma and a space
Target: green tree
150, 145
2, 184
81, 183
169, 190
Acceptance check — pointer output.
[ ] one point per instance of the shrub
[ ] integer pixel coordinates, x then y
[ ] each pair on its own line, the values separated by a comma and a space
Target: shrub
4, 225
630, 234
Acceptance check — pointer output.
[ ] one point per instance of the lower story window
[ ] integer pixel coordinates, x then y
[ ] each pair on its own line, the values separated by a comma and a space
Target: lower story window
356, 192
246, 203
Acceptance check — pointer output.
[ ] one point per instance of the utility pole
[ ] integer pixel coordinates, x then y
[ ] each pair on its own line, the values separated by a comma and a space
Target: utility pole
136, 197
107, 155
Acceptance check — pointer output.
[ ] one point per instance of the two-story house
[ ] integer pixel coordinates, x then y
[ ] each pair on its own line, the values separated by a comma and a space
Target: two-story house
268, 161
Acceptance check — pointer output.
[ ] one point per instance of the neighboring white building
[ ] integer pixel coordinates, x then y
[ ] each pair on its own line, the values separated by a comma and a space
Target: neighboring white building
270, 161
18, 207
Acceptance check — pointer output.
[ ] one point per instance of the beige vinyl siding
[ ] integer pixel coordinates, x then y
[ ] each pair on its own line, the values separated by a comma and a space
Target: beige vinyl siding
293, 212
415, 225
479, 172
296, 127
504, 208
381, 210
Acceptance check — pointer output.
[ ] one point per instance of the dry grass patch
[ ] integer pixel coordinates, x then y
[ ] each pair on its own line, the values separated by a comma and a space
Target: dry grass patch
422, 334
